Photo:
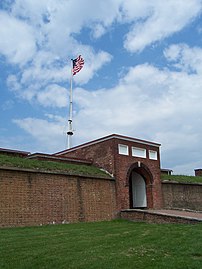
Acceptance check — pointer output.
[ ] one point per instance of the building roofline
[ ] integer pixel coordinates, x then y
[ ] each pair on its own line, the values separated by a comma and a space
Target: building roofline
14, 151
56, 158
105, 138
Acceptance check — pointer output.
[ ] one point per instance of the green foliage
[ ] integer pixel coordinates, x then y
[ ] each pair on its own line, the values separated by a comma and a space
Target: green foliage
76, 169
116, 244
182, 178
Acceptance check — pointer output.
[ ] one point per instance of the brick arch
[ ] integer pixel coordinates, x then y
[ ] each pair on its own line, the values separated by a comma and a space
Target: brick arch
141, 169
145, 172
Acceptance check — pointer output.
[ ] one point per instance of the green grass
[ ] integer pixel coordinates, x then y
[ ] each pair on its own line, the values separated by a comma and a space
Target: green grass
9, 161
113, 245
182, 178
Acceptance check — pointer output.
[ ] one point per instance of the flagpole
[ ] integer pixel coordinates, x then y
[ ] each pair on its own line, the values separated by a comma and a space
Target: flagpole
70, 129
77, 65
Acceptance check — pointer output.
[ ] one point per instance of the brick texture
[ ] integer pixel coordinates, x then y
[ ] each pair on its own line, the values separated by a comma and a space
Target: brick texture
105, 154
36, 198
156, 218
182, 196
198, 172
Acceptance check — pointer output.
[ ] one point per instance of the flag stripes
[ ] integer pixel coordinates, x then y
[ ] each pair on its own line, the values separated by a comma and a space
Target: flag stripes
77, 64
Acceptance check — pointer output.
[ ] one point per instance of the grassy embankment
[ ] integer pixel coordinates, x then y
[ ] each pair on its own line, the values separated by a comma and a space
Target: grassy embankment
182, 178
77, 169
81, 169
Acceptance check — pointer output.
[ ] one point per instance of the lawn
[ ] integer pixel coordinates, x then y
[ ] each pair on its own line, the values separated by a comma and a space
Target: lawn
115, 244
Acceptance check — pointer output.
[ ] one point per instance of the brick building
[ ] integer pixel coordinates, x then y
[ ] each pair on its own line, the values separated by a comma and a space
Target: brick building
134, 163
198, 172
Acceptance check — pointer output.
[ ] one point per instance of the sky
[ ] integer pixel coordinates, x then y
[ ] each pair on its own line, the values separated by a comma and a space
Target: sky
142, 75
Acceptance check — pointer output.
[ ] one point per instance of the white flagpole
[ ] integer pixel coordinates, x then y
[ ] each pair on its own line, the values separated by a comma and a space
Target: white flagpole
70, 129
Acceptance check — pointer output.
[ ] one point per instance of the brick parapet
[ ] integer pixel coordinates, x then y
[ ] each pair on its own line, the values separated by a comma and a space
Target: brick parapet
177, 195
36, 198
58, 172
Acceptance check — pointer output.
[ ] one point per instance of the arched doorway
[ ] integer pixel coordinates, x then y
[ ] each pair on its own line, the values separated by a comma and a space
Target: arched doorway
139, 195
140, 185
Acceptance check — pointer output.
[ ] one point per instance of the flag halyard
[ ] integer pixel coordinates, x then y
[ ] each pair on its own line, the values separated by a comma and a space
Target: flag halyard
77, 64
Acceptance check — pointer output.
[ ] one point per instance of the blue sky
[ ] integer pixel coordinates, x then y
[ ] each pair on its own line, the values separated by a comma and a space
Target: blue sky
142, 75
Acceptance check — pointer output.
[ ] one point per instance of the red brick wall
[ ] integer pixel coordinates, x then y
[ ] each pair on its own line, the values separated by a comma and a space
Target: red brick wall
182, 195
105, 154
34, 198
198, 172
151, 217
101, 154
122, 168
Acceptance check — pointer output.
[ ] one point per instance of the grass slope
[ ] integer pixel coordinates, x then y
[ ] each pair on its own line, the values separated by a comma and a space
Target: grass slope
80, 169
182, 178
113, 245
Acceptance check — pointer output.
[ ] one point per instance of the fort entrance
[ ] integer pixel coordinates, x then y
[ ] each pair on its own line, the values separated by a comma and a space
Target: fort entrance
138, 191
140, 186
134, 164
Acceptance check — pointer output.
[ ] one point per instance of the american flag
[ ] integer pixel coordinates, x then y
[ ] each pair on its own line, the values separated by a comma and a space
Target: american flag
77, 64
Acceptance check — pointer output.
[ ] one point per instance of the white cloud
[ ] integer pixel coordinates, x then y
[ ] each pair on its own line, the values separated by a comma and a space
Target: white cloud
48, 133
60, 22
187, 168
49, 27
53, 95
51, 63
133, 10
93, 62
47, 24
12, 83
44, 74
46, 71
17, 42
98, 30
155, 23
185, 58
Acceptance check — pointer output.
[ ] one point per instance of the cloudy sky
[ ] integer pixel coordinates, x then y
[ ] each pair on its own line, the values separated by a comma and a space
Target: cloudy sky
142, 75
